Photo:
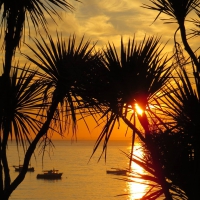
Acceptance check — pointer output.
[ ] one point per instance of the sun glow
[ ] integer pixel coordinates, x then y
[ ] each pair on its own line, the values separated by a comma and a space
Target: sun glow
138, 109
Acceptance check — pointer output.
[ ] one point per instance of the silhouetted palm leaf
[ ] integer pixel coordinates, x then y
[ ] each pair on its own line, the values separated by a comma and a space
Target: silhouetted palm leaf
182, 100
175, 9
178, 11
64, 70
195, 31
14, 15
20, 105
148, 177
134, 77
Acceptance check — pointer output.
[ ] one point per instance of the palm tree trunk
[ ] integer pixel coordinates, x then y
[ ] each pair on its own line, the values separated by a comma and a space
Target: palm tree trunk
155, 157
1, 173
187, 46
5, 161
150, 146
15, 22
158, 168
196, 165
5, 106
30, 151
9, 47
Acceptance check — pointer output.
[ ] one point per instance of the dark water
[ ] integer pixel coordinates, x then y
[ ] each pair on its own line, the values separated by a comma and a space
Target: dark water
80, 180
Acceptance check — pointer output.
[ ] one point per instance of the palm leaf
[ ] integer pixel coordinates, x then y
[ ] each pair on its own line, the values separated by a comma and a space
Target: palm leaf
136, 76
66, 71
33, 8
174, 9
21, 106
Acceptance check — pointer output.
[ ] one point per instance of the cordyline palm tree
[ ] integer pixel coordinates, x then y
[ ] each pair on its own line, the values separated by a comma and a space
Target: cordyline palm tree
136, 77
148, 176
19, 107
182, 100
62, 68
178, 12
13, 18
183, 97
178, 146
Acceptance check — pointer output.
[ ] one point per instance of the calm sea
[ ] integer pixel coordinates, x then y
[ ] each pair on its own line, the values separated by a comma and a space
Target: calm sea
80, 180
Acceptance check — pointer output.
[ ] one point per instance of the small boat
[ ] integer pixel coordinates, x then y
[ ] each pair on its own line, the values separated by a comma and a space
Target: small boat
117, 171
18, 168
50, 174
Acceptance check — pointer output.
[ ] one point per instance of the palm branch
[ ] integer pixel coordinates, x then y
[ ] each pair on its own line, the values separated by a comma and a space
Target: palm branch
182, 100
178, 11
134, 77
20, 105
13, 18
65, 69
33, 11
148, 177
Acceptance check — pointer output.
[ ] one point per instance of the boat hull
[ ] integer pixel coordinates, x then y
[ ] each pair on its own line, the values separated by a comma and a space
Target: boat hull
117, 172
19, 168
49, 176
29, 169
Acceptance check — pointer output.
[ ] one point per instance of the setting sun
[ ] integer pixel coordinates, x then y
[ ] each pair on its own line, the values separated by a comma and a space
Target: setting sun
138, 109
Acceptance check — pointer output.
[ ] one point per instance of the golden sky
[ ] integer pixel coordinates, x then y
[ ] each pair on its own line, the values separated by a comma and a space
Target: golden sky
107, 21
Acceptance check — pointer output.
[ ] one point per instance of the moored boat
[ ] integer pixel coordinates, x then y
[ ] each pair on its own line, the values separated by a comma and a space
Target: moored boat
50, 174
18, 168
117, 171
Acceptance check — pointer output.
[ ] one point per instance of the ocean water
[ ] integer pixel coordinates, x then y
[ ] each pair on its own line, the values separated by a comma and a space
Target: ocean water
83, 178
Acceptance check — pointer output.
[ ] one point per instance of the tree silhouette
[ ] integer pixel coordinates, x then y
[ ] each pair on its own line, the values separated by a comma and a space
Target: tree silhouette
178, 149
136, 77
73, 79
63, 67
21, 92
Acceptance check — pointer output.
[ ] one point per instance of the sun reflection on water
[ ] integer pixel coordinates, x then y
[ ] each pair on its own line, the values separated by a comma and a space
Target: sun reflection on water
138, 187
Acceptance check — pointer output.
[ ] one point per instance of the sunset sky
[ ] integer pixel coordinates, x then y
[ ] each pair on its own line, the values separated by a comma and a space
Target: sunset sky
107, 21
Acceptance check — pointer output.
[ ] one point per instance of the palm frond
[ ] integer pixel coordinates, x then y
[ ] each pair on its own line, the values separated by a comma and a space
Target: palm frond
174, 9
21, 106
67, 74
140, 72
183, 105
33, 10
135, 76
